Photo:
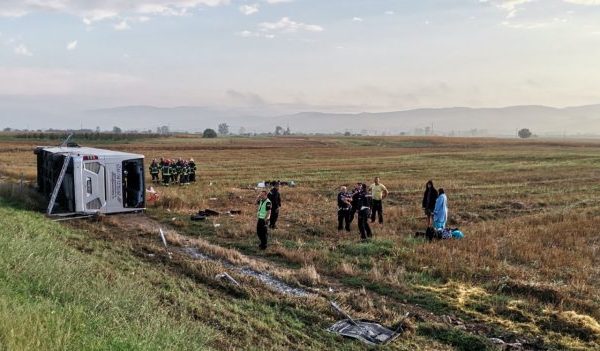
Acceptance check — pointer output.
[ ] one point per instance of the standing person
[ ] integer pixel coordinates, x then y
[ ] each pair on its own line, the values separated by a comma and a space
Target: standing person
166, 173
154, 171
440, 213
344, 206
183, 177
263, 215
275, 198
429, 198
192, 165
364, 203
379, 192
175, 169
354, 202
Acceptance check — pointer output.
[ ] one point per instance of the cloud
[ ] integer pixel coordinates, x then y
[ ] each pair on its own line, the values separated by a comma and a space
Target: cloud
249, 9
250, 34
91, 11
389, 12
510, 6
357, 19
584, 2
72, 45
286, 25
246, 99
22, 50
123, 25
277, 1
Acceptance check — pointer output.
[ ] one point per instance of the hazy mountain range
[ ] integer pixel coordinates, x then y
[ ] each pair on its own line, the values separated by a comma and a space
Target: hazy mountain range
504, 120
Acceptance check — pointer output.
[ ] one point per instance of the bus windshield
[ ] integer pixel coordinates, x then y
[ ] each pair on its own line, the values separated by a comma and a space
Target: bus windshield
133, 183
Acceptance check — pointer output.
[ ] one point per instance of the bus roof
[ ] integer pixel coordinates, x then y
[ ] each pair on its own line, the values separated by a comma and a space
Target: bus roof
81, 151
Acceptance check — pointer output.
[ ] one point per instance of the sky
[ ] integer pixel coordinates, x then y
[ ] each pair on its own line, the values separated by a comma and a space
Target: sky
334, 55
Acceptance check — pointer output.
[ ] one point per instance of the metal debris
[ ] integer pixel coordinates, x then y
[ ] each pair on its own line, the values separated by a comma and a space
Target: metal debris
226, 275
162, 236
368, 332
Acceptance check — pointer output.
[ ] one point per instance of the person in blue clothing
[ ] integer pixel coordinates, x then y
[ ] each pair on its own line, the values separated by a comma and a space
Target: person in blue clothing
440, 213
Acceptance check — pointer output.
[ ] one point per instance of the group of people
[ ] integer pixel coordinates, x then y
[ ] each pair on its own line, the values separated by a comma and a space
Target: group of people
366, 201
173, 171
435, 205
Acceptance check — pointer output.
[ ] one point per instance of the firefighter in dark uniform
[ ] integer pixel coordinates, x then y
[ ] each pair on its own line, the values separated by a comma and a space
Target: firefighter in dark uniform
263, 215
154, 171
175, 170
344, 205
166, 172
192, 165
364, 203
183, 177
275, 198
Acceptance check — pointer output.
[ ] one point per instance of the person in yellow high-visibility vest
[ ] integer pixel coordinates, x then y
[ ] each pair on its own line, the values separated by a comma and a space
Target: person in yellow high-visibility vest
263, 214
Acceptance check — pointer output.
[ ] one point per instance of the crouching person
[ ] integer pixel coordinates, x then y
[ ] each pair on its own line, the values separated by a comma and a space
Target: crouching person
263, 215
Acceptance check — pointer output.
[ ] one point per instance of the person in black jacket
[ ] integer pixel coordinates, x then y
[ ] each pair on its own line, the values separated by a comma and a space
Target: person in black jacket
354, 201
344, 205
275, 198
364, 205
429, 198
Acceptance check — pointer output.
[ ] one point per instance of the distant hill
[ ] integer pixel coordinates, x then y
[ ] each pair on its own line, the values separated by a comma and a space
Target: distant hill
540, 119
503, 120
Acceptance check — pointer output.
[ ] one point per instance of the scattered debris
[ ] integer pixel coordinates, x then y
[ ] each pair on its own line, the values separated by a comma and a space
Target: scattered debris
162, 236
275, 283
203, 214
197, 217
217, 225
213, 199
266, 278
503, 345
268, 183
152, 194
226, 275
368, 332
208, 212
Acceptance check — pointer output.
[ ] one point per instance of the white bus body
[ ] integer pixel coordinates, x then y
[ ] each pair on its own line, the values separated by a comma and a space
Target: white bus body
96, 180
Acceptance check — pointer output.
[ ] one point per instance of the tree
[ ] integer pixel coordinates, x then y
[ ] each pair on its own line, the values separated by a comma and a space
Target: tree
242, 131
524, 133
278, 130
209, 133
7, 129
223, 129
347, 133
117, 130
287, 131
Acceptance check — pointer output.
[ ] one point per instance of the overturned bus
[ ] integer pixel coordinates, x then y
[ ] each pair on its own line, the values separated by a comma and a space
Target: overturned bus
83, 180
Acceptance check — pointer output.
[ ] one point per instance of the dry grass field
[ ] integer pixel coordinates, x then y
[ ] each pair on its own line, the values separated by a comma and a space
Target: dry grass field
527, 272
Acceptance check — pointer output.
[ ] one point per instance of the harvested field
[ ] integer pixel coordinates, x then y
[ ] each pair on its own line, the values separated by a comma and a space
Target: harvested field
526, 273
